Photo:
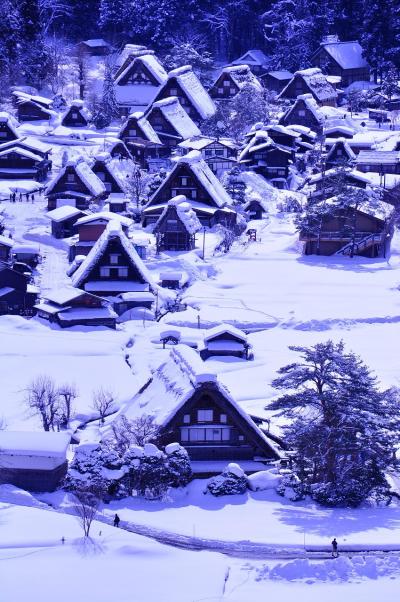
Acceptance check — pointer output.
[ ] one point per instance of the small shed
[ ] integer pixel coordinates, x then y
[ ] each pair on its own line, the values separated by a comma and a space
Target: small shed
255, 59
276, 80
255, 208
95, 47
225, 340
63, 220
74, 307
173, 280
36, 461
76, 115
27, 253
32, 108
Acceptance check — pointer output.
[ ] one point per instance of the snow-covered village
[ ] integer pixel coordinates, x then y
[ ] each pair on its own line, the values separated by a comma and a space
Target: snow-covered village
199, 300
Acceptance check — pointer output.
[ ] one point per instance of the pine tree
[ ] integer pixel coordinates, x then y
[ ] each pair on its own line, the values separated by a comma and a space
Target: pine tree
343, 428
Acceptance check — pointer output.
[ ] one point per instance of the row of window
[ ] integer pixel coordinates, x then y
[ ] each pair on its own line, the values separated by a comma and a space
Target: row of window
205, 416
106, 272
196, 434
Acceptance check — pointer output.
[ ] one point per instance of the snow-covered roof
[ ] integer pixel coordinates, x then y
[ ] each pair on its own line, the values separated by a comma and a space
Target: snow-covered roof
342, 141
131, 50
201, 142
194, 90
329, 173
113, 167
371, 207
317, 83
311, 105
185, 213
348, 55
22, 152
375, 157
62, 213
343, 129
108, 216
10, 121
29, 143
222, 329
147, 129
174, 382
206, 177
242, 75
79, 105
31, 248
150, 61
5, 241
259, 141
86, 175
177, 117
22, 97
113, 230
33, 450
252, 57
95, 43
281, 75
60, 296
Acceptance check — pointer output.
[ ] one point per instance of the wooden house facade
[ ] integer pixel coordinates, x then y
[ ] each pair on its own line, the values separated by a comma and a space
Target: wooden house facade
113, 267
276, 80
192, 178
200, 413
8, 127
343, 59
267, 158
138, 80
90, 227
219, 153
17, 295
76, 185
142, 140
63, 220
95, 47
365, 231
32, 108
106, 171
225, 341
304, 112
311, 81
176, 227
340, 153
381, 162
231, 80
19, 163
76, 115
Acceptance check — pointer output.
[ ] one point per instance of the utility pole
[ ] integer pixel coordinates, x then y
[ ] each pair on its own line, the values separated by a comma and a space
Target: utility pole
204, 242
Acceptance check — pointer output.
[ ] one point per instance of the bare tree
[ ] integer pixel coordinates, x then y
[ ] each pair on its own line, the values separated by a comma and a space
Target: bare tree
103, 403
42, 398
52, 10
86, 504
56, 74
67, 394
136, 184
81, 72
134, 432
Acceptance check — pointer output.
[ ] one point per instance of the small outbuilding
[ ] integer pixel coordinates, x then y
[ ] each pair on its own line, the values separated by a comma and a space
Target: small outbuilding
76, 115
35, 461
225, 341
176, 227
63, 220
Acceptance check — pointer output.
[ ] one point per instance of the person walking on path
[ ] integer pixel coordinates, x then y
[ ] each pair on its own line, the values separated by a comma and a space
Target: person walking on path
335, 553
117, 520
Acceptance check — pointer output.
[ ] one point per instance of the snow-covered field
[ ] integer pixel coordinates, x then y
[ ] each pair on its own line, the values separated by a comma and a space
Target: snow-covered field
282, 298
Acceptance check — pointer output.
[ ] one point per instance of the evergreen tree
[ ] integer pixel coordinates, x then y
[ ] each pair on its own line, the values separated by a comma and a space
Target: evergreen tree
380, 35
344, 429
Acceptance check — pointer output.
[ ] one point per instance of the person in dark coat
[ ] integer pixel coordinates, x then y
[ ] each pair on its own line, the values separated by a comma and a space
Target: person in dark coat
335, 553
117, 520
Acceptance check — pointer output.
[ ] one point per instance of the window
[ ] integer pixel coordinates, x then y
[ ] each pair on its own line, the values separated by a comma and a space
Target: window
186, 419
123, 272
173, 92
220, 90
114, 257
184, 181
223, 418
3, 134
208, 153
101, 175
201, 435
132, 133
74, 115
339, 152
227, 83
301, 113
105, 272
70, 177
193, 194
184, 434
205, 415
241, 437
